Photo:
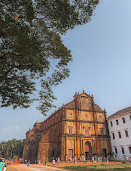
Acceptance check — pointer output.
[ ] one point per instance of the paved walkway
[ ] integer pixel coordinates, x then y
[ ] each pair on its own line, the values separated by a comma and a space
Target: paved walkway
31, 168
58, 167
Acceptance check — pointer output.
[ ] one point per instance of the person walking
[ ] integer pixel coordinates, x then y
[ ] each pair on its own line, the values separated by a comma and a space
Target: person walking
80, 159
100, 160
45, 163
4, 168
1, 165
28, 165
53, 162
107, 160
93, 159
59, 160
129, 159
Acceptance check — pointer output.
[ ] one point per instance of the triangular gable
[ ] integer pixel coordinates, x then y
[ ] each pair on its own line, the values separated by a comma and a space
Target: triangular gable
97, 108
70, 105
84, 95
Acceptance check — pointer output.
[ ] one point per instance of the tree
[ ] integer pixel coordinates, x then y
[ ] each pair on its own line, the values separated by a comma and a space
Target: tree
33, 57
10, 148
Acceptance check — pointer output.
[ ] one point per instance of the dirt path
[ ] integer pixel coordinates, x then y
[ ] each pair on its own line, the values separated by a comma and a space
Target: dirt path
17, 168
32, 168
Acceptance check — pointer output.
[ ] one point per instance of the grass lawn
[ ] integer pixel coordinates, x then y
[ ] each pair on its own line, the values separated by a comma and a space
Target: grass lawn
103, 167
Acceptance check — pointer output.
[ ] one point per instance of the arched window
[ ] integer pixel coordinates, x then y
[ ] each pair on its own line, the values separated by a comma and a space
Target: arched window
70, 129
111, 123
123, 119
102, 131
122, 150
119, 134
70, 115
113, 135
86, 132
126, 133
117, 123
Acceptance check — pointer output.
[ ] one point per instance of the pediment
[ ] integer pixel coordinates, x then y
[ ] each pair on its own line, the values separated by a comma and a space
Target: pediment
97, 108
70, 105
84, 95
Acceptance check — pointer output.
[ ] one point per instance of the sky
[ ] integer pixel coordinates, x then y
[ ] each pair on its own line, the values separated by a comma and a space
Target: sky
101, 66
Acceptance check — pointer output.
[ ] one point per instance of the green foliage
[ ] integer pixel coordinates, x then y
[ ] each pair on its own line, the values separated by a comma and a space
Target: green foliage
33, 57
11, 148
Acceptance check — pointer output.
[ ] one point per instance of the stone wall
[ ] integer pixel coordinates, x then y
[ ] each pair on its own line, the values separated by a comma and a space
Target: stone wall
50, 143
72, 130
31, 144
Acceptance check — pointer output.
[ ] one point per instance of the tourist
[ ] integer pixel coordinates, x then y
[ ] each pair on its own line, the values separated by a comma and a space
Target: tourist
72, 159
96, 159
104, 159
84, 160
100, 160
93, 159
59, 160
80, 159
28, 164
45, 163
4, 168
75, 160
53, 161
107, 160
1, 165
129, 159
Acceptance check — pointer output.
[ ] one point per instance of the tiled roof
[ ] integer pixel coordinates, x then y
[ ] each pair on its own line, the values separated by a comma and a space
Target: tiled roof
128, 109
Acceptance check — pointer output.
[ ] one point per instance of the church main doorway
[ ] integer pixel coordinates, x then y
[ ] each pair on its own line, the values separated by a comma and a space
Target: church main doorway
104, 152
88, 150
70, 153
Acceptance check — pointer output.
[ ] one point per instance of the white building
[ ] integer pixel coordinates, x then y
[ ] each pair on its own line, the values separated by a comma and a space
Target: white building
120, 132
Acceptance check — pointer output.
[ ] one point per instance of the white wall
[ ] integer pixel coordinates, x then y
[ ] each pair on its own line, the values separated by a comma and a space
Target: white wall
124, 141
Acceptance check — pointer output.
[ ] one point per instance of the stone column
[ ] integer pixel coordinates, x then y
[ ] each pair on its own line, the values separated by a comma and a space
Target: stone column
63, 149
76, 98
95, 128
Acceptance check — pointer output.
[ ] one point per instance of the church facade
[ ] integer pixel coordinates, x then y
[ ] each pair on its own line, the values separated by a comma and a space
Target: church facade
77, 129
